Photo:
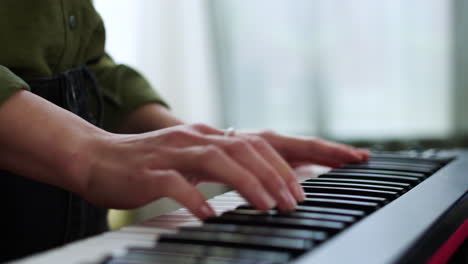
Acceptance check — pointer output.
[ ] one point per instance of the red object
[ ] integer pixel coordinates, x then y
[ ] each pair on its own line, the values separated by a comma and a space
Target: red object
446, 251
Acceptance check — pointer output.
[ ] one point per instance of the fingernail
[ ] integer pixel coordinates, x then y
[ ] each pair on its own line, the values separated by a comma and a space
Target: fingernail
298, 191
267, 201
287, 197
207, 211
364, 154
357, 156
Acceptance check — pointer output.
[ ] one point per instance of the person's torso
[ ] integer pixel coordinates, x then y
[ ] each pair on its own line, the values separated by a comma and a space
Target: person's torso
44, 37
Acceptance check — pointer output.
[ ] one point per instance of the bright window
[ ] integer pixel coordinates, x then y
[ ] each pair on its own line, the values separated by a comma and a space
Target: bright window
360, 69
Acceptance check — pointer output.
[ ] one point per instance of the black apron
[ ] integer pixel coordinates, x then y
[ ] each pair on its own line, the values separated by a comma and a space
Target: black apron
37, 216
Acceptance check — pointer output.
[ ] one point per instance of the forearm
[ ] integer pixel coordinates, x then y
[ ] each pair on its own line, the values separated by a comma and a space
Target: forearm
45, 142
149, 117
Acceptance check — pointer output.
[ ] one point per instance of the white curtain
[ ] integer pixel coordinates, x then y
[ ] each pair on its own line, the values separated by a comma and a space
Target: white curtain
359, 69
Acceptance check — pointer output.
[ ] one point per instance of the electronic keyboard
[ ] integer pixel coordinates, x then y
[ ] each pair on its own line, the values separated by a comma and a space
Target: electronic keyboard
399, 207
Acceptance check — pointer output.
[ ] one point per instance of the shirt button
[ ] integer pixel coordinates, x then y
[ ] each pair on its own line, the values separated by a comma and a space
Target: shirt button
72, 22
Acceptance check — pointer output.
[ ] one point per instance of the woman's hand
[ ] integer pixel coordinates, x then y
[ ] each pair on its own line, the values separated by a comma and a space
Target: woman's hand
127, 171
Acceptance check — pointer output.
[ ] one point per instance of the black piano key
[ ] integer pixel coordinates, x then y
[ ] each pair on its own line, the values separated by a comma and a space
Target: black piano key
219, 251
353, 191
155, 259
401, 163
249, 239
316, 209
327, 183
317, 236
278, 221
144, 258
383, 172
388, 167
409, 159
397, 157
342, 204
375, 177
404, 186
151, 257
361, 198
126, 261
183, 260
295, 246
303, 215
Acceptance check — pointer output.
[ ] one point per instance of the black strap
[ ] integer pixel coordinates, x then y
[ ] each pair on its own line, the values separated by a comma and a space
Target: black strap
42, 216
71, 90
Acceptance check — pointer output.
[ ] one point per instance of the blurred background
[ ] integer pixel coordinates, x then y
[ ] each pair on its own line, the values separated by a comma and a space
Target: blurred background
386, 74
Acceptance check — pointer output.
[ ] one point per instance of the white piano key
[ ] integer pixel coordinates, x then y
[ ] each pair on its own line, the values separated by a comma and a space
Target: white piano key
87, 250
146, 230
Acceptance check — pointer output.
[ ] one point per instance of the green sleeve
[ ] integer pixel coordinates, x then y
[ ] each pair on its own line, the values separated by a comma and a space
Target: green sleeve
9, 84
123, 90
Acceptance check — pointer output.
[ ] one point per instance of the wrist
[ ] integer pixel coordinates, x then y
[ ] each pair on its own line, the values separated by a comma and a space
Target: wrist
56, 145
78, 161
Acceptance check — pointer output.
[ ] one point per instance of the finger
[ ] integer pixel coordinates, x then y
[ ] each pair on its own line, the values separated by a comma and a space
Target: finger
217, 166
205, 129
171, 184
273, 158
315, 150
327, 150
364, 153
245, 154
341, 152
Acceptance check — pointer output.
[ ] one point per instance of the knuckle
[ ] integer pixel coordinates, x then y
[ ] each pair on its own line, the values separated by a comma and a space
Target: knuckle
275, 181
270, 177
210, 152
238, 145
245, 183
169, 176
180, 134
315, 144
268, 133
199, 126
320, 141
257, 141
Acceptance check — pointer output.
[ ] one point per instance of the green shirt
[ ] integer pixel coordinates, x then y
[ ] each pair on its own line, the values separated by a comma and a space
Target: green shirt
41, 38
